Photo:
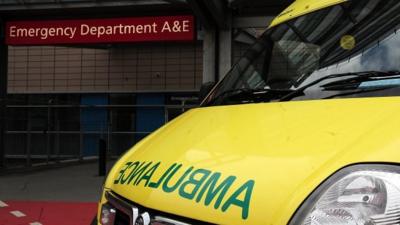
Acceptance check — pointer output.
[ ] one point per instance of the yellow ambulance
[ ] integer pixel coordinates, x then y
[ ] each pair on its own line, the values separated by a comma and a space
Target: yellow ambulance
304, 130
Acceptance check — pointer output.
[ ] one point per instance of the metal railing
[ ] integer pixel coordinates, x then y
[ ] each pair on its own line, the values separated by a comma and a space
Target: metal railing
41, 137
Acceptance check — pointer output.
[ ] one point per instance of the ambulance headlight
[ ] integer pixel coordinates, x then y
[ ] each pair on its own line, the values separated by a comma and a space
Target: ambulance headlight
107, 216
358, 195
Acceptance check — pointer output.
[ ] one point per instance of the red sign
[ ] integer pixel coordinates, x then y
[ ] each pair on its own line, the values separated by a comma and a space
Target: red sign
143, 29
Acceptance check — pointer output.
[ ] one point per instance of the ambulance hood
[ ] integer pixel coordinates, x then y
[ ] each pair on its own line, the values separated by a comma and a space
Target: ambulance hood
254, 163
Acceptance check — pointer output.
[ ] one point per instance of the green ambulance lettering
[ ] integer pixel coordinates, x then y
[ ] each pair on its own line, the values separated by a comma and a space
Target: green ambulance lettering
178, 183
157, 184
137, 172
213, 190
247, 189
195, 182
131, 167
200, 185
122, 172
148, 174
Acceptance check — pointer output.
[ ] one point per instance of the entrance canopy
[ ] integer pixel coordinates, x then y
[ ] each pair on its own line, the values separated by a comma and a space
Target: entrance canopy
51, 8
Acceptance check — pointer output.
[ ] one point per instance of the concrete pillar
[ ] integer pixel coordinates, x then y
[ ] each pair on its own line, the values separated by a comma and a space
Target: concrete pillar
209, 56
3, 91
217, 52
225, 52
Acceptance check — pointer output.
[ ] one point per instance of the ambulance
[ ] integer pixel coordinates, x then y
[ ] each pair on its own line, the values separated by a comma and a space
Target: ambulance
304, 130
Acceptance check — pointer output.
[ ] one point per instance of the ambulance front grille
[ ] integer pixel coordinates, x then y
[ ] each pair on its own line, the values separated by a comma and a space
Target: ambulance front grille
130, 213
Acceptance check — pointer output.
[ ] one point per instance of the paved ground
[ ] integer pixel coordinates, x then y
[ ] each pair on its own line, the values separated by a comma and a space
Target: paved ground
62, 196
47, 213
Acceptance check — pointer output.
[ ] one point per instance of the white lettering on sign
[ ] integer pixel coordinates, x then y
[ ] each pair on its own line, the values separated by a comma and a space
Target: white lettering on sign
85, 29
185, 26
120, 29
43, 33
167, 28
176, 26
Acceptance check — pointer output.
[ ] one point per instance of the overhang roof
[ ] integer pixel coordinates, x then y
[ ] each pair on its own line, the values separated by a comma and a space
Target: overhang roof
65, 8
209, 12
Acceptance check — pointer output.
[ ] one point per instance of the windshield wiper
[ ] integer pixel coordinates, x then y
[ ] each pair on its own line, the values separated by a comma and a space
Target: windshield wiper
355, 82
359, 92
250, 95
345, 83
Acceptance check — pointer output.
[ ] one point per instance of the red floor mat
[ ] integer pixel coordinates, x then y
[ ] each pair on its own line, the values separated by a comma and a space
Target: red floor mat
48, 213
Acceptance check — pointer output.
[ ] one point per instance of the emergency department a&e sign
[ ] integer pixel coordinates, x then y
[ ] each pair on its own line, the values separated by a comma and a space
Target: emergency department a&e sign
115, 30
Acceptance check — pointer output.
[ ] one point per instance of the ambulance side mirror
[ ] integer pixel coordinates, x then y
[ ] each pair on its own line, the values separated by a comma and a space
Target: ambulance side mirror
205, 89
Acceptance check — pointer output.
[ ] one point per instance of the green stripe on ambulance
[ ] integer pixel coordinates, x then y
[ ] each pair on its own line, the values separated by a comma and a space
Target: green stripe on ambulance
205, 185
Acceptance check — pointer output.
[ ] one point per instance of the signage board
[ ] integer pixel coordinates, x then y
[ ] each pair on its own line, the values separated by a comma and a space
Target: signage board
87, 31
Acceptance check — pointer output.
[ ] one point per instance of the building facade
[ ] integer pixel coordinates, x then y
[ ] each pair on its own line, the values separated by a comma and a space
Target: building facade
63, 98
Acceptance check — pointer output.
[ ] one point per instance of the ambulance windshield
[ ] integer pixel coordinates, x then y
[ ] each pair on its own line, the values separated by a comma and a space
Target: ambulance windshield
348, 50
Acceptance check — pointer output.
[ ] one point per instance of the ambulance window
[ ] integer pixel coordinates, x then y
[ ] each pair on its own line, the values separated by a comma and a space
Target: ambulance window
359, 36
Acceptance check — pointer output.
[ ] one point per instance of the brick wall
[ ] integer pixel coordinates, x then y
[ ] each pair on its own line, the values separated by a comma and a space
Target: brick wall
157, 67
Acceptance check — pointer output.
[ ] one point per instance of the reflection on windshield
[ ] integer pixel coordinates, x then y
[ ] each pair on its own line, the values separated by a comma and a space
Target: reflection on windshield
355, 36
384, 56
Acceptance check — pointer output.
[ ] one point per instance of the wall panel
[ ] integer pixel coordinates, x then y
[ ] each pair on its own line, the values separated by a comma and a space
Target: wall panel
57, 69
